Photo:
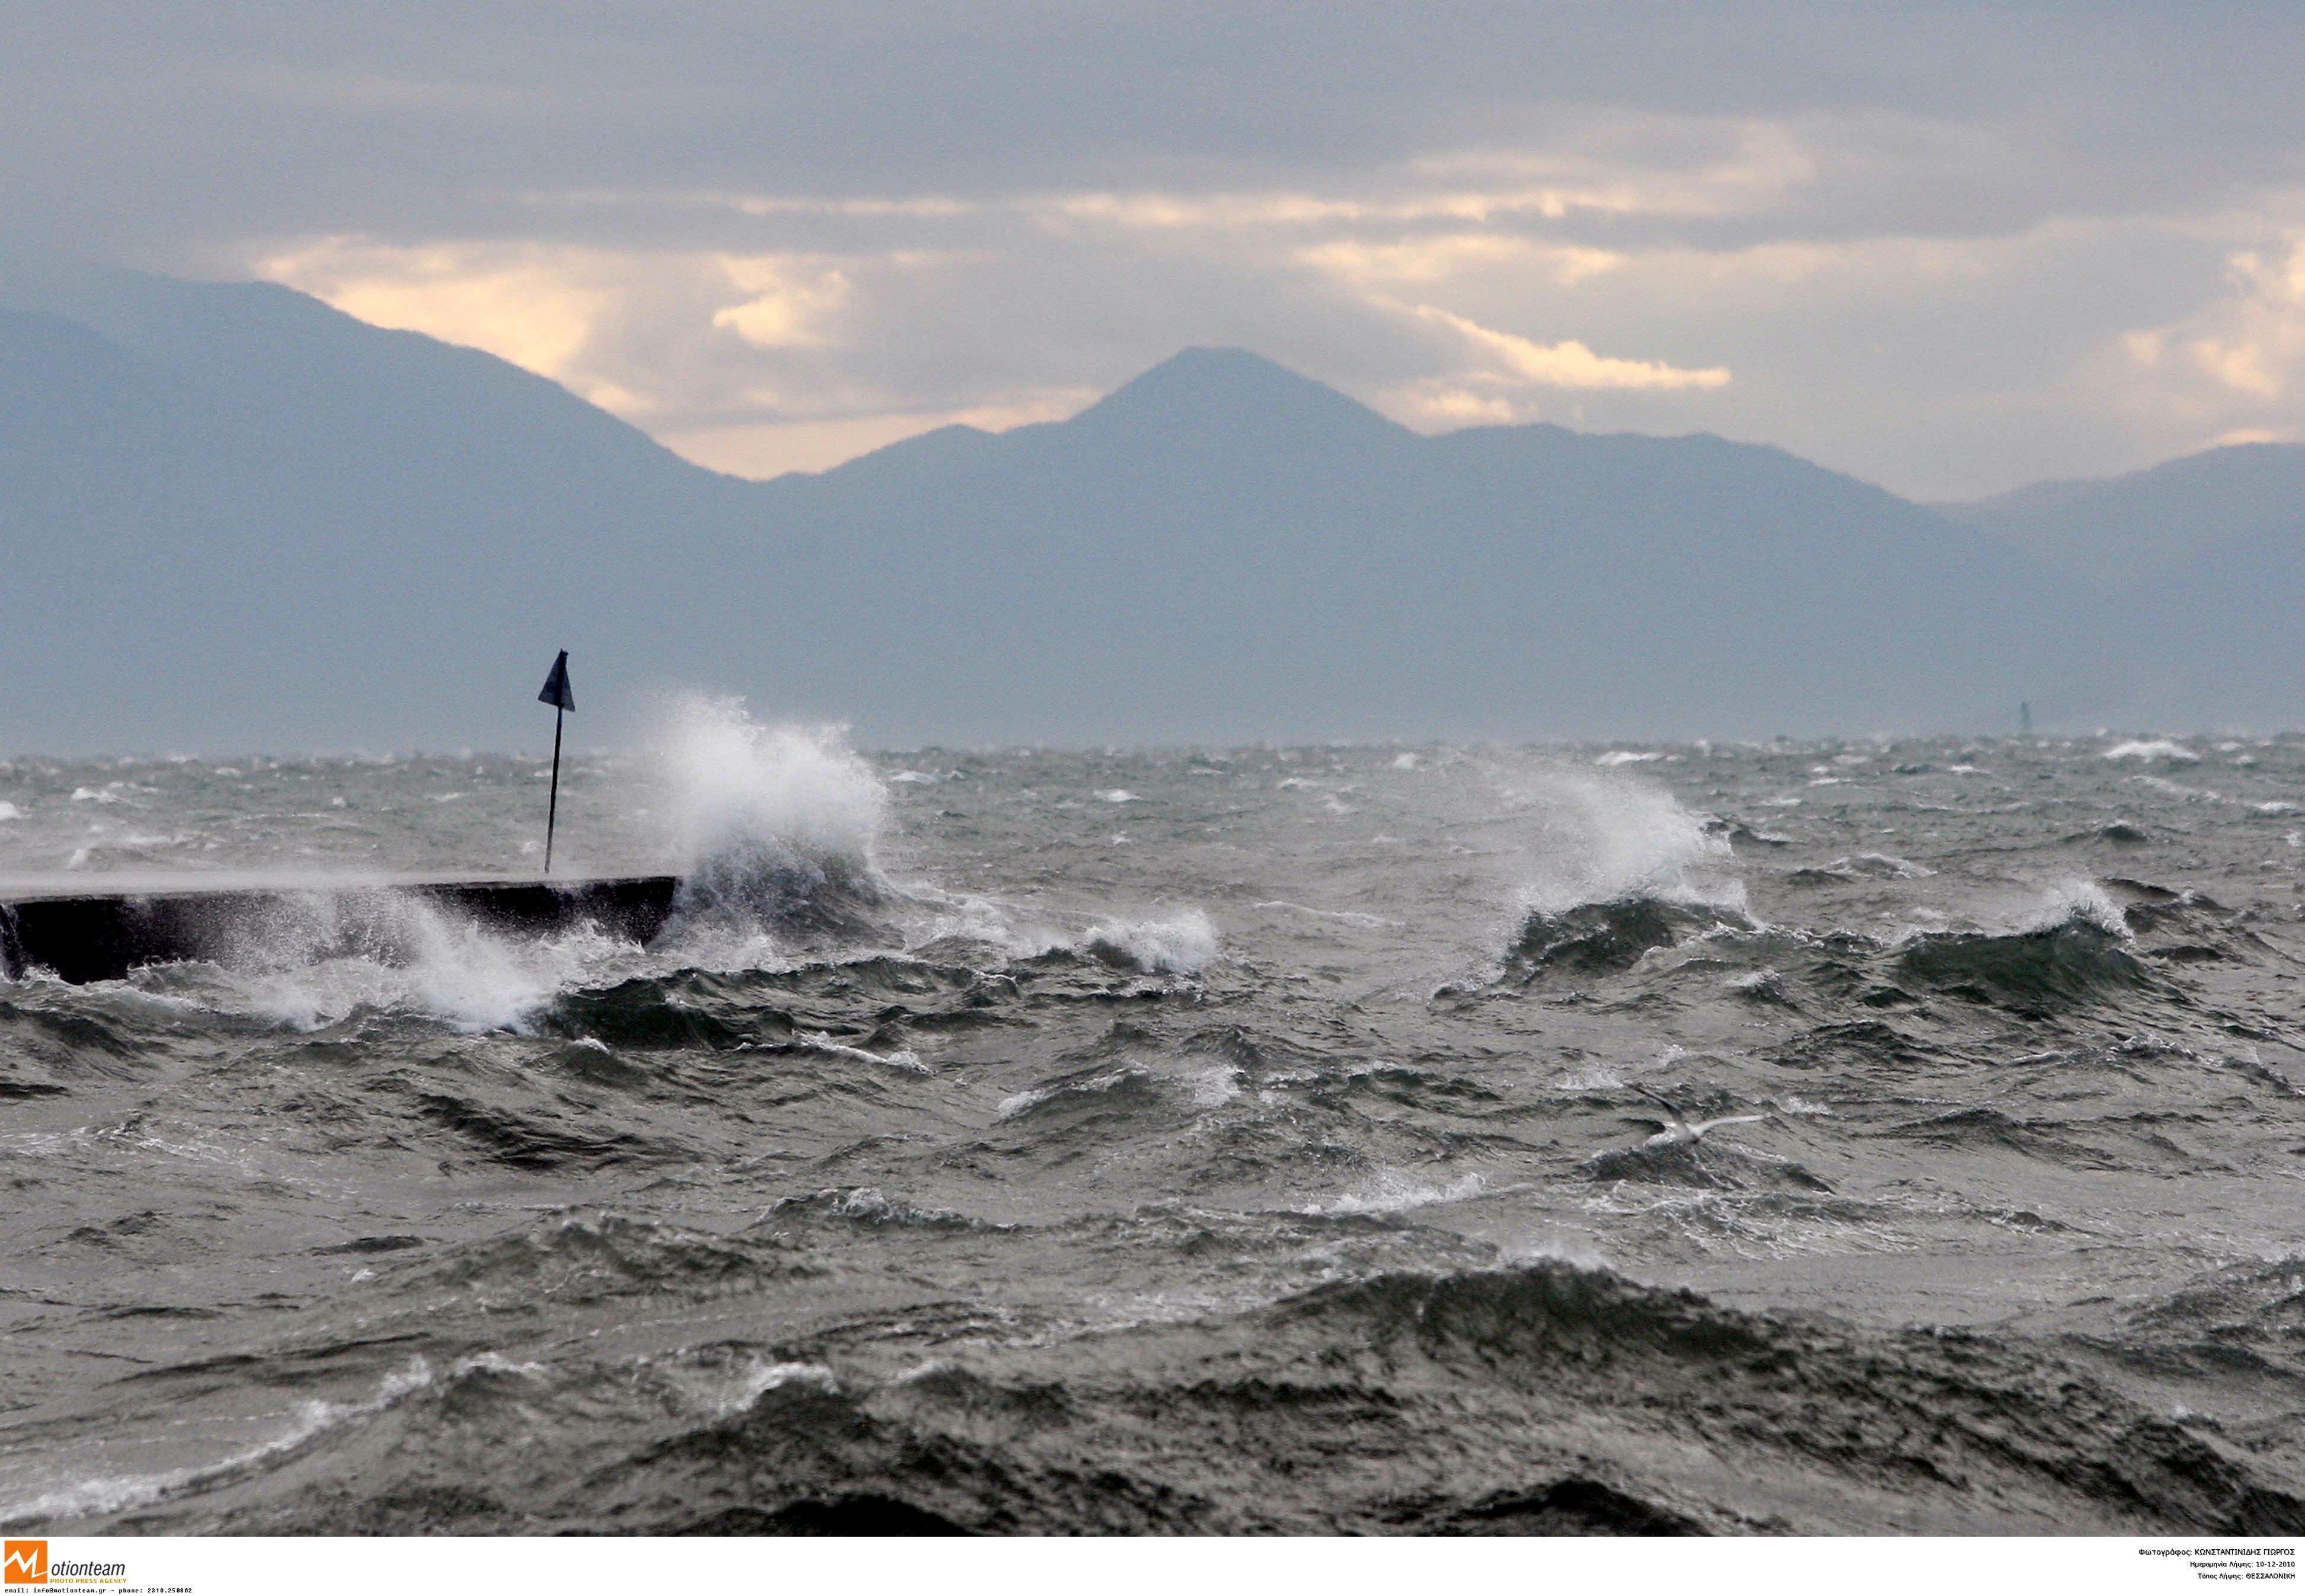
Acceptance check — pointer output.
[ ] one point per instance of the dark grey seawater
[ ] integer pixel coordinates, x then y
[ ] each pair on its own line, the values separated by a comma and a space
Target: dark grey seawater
1229, 1141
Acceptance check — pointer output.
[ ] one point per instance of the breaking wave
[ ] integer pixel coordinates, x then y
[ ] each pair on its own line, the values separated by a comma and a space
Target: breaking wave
1619, 868
2075, 948
1182, 944
2152, 748
1598, 839
777, 828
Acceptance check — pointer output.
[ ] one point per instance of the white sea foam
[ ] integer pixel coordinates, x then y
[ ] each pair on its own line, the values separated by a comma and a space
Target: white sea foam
969, 918
1011, 1106
9, 812
1879, 867
1890, 864
904, 1058
1594, 1078
117, 1493
441, 964
1180, 944
2179, 790
1349, 916
1578, 1251
2154, 748
2080, 901
1214, 1086
759, 1380
765, 821
1394, 1191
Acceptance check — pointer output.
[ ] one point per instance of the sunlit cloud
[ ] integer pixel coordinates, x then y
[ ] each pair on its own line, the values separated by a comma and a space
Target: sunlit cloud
2255, 343
2234, 369
771, 448
2253, 434
871, 207
1650, 165
1441, 405
1424, 261
684, 343
1567, 364
534, 307
789, 301
1715, 170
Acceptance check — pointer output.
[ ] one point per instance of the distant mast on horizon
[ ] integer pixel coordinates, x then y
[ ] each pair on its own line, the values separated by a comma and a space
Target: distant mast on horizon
2025, 717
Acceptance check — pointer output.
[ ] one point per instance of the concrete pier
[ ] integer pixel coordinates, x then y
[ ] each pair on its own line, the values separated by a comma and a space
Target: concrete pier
84, 937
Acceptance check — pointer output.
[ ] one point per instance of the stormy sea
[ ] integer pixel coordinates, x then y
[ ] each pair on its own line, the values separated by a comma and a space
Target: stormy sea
1853, 1137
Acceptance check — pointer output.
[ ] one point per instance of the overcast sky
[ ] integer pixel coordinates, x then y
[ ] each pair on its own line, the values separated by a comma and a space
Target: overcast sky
1949, 248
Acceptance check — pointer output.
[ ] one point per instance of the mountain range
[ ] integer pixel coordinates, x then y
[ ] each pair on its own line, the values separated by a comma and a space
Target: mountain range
235, 519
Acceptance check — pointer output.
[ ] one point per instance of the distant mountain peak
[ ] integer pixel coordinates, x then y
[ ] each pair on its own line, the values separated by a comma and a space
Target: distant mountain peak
1201, 390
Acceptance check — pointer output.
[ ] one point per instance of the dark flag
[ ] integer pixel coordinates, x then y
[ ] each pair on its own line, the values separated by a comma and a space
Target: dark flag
556, 690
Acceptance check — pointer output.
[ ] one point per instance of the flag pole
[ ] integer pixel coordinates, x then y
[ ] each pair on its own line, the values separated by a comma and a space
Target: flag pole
552, 811
563, 699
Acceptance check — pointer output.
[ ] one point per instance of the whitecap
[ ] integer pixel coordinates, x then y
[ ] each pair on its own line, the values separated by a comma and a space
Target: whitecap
1599, 839
1183, 944
120, 1492
761, 1379
1393, 1191
2076, 902
2152, 748
904, 1058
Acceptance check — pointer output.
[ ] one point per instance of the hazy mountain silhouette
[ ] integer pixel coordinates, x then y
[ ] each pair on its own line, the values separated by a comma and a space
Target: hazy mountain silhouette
236, 518
1224, 549
2127, 530
2206, 555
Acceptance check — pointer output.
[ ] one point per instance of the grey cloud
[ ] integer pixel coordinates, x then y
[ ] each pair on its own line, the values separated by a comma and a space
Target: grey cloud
2101, 166
276, 116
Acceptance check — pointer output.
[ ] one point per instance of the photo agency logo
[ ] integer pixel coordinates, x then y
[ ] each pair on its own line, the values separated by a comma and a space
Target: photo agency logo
25, 1563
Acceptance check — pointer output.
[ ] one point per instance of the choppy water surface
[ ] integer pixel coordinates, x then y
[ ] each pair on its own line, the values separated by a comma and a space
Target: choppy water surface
1228, 1141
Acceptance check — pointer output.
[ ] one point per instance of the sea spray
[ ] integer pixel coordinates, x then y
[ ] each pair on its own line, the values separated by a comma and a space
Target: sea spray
1598, 839
320, 958
776, 828
1610, 867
